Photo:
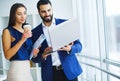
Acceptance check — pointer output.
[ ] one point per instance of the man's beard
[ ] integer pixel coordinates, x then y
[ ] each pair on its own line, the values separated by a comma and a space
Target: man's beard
47, 20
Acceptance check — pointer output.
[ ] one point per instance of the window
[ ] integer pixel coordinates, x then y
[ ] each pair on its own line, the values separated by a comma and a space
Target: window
112, 19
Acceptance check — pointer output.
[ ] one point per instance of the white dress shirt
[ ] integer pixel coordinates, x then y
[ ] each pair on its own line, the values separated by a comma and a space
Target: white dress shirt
55, 56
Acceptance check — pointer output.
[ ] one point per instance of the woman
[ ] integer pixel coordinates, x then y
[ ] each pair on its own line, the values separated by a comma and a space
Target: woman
17, 45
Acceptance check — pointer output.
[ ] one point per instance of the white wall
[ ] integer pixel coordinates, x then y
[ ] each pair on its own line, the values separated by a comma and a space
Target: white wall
62, 8
5, 6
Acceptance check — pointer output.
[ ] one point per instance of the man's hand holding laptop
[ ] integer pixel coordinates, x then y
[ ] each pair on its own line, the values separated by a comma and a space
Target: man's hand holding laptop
49, 50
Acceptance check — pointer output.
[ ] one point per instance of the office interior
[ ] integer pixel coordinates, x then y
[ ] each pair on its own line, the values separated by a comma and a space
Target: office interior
99, 33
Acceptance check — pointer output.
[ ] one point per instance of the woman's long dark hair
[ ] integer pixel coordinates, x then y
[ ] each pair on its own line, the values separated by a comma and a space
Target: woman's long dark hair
13, 10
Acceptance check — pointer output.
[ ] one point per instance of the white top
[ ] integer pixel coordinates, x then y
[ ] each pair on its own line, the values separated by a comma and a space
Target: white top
55, 56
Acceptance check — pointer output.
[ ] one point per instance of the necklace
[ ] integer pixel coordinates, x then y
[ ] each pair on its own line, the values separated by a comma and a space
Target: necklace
19, 29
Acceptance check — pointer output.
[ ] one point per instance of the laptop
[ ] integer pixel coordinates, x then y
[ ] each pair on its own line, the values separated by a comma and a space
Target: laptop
65, 33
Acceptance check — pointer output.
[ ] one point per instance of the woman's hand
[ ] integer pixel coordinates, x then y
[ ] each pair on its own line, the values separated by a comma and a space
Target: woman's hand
35, 52
26, 34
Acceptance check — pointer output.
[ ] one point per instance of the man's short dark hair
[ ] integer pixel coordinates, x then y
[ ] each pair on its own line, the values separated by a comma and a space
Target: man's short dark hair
43, 2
